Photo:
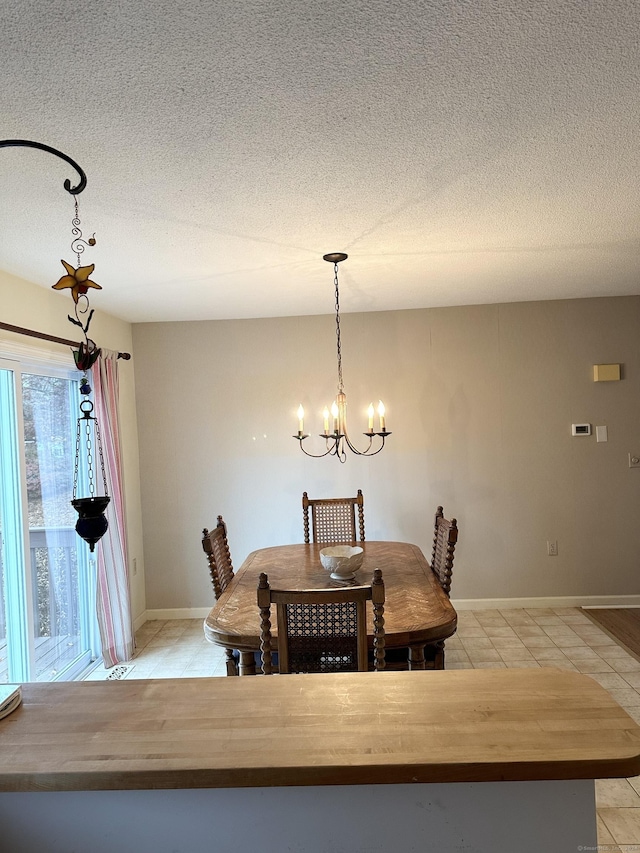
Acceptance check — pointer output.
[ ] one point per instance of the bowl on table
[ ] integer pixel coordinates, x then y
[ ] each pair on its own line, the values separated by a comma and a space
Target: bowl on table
342, 561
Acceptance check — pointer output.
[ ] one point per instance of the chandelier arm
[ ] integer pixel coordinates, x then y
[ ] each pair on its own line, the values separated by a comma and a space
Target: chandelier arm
26, 143
368, 452
375, 452
353, 448
329, 450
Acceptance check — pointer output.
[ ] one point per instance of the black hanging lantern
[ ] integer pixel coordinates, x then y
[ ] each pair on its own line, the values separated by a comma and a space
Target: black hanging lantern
92, 523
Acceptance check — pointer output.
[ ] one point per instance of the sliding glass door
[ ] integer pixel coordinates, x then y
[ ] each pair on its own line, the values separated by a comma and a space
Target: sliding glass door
47, 621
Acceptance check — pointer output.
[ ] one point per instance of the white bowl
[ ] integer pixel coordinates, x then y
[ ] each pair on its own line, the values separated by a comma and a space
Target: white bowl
342, 561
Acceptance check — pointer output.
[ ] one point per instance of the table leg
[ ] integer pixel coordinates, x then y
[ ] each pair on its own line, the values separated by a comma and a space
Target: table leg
434, 655
247, 663
232, 668
416, 657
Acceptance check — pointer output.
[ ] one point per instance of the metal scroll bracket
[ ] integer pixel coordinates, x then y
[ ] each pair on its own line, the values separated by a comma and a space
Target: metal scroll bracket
26, 143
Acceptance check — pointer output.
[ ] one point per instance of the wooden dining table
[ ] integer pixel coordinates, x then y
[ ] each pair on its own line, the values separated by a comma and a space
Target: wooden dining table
417, 611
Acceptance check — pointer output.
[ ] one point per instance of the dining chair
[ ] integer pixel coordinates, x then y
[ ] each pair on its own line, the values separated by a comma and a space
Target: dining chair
333, 520
216, 546
445, 537
322, 630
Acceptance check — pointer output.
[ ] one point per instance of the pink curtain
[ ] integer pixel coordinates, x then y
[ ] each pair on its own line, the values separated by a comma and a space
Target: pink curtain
113, 596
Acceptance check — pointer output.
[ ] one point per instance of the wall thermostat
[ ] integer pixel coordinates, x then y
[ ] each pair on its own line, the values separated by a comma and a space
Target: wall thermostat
580, 429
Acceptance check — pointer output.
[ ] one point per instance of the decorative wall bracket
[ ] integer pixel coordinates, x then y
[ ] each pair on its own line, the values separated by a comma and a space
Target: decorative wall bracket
26, 143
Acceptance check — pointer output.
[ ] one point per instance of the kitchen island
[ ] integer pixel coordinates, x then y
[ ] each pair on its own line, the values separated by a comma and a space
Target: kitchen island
479, 760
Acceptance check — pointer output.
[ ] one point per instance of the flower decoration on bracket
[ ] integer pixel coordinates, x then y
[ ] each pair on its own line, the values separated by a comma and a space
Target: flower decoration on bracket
78, 280
92, 523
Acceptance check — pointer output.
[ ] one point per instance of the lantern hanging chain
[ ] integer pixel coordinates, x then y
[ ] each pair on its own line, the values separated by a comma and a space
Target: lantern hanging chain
90, 477
86, 407
92, 490
99, 440
75, 467
339, 347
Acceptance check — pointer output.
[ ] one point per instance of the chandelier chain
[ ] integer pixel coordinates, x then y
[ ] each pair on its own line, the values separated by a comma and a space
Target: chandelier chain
338, 343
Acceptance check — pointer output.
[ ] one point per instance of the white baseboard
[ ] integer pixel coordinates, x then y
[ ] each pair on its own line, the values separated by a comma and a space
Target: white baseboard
139, 621
550, 602
459, 604
175, 613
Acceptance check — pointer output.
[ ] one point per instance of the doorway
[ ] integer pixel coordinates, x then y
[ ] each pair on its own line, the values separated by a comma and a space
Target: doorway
47, 579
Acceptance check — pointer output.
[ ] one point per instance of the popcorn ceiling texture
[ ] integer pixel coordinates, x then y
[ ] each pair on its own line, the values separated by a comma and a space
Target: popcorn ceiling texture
460, 152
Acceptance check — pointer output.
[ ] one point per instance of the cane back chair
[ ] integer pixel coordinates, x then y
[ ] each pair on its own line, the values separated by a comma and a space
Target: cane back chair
322, 630
216, 547
445, 537
333, 520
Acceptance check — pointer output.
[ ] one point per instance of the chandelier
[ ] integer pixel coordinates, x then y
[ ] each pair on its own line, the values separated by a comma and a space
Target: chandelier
337, 438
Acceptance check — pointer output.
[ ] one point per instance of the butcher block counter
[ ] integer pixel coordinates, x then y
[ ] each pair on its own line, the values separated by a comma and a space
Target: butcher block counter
223, 755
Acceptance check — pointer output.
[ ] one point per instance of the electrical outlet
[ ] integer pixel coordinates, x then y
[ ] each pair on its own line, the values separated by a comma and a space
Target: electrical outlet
552, 548
634, 461
134, 566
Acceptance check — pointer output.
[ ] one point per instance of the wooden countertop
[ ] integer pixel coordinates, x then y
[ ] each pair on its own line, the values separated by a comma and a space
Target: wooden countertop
346, 728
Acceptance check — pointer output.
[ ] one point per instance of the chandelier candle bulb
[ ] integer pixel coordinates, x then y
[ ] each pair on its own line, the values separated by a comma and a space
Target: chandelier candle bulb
381, 411
325, 416
300, 419
335, 413
370, 413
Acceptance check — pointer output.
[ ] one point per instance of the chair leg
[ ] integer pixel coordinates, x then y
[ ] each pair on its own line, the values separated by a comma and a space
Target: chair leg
416, 657
232, 669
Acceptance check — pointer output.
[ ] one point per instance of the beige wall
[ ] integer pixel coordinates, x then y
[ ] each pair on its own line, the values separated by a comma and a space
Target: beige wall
25, 304
480, 401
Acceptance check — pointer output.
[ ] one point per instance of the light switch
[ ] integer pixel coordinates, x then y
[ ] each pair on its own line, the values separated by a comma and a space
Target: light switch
606, 372
601, 433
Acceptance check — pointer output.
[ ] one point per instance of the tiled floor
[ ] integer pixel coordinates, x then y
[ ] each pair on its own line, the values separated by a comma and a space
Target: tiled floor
563, 638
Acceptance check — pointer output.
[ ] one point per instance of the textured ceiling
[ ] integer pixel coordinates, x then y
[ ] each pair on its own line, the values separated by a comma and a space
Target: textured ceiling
460, 152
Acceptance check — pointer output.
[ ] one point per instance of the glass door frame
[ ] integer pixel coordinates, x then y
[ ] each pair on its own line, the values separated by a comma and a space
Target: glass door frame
20, 630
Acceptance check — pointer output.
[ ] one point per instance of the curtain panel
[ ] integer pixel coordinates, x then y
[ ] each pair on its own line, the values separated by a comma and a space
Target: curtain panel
113, 595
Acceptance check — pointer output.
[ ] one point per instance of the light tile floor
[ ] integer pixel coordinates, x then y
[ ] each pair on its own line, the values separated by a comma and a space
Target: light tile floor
562, 637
